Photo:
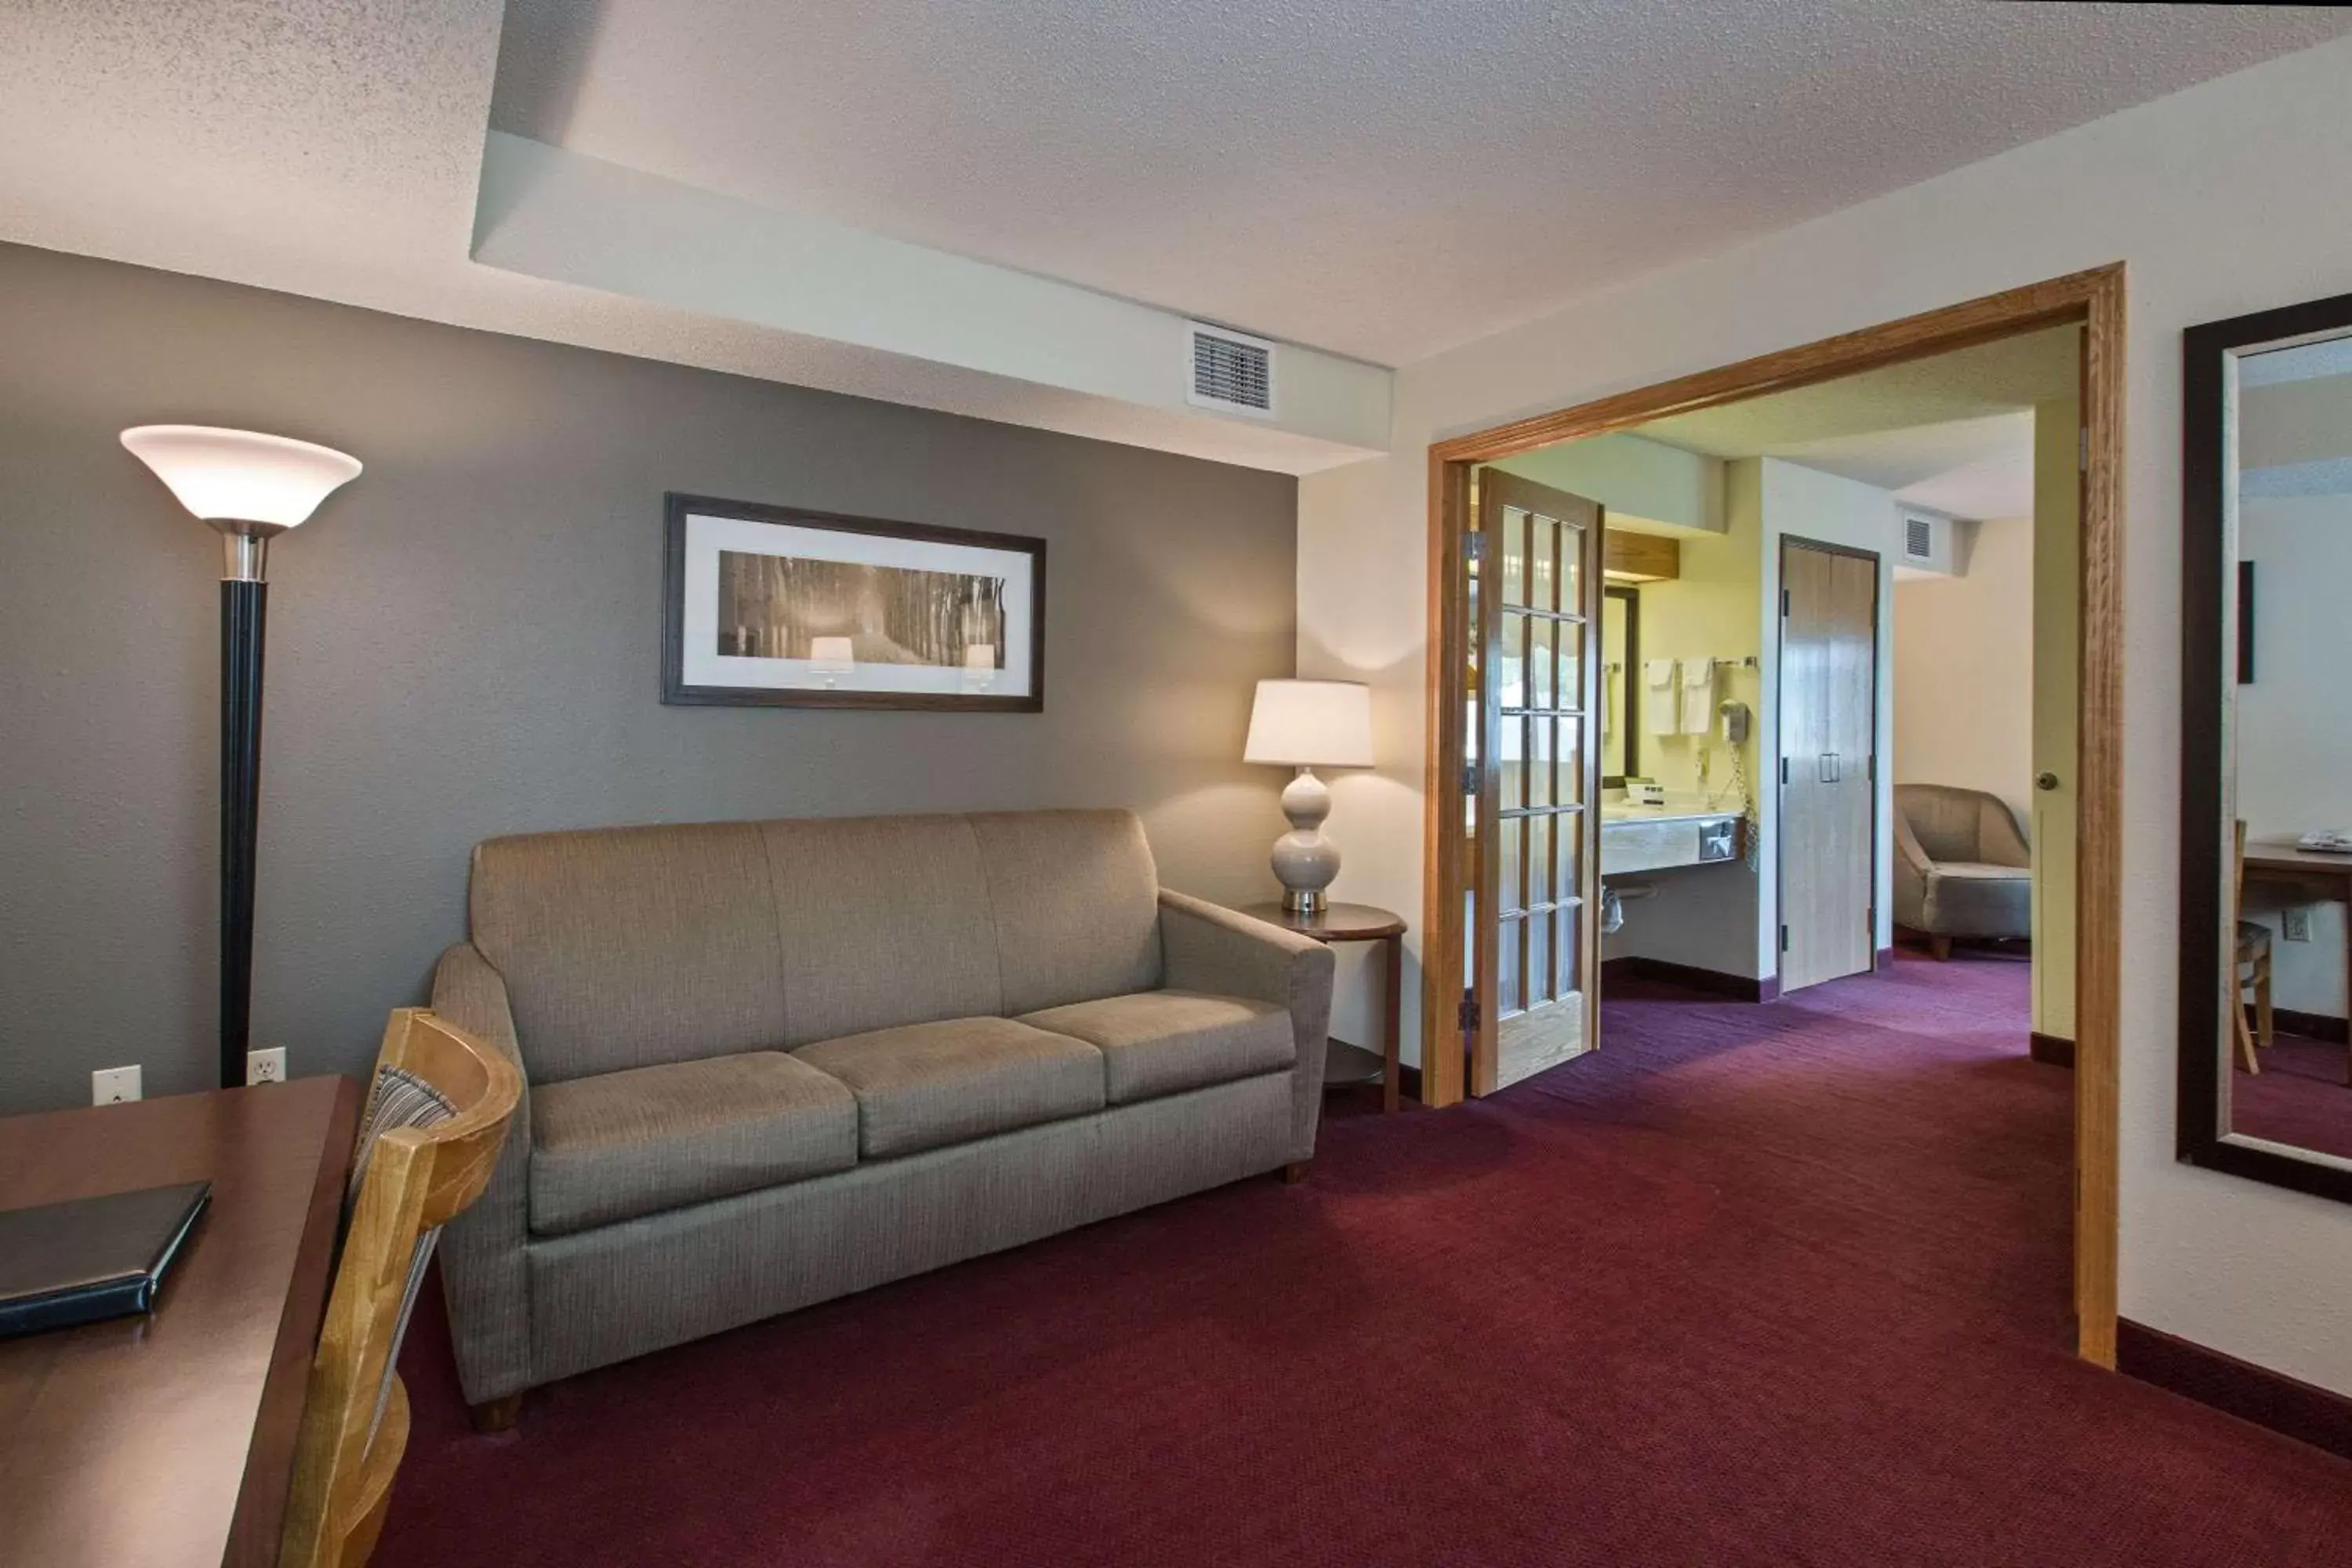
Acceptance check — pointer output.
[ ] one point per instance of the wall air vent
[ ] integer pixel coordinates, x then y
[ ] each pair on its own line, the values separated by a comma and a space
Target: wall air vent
1919, 538
1230, 371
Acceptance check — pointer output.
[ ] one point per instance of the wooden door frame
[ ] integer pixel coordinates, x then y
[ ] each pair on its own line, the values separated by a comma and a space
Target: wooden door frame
2094, 298
1780, 699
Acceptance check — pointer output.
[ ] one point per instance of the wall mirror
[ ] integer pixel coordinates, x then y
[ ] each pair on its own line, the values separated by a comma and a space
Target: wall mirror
1621, 654
2265, 1088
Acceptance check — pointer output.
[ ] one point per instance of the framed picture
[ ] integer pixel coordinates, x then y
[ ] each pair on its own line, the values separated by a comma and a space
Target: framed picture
773, 606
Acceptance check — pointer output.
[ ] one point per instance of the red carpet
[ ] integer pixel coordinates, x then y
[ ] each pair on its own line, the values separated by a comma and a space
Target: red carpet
2300, 1096
1754, 1285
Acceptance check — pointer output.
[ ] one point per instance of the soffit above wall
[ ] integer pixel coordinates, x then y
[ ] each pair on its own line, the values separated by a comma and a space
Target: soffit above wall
1320, 175
335, 149
1379, 178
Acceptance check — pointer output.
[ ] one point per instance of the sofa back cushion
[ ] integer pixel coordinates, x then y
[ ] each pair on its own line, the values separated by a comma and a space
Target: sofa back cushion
1076, 898
625, 947
883, 920
1942, 818
628, 947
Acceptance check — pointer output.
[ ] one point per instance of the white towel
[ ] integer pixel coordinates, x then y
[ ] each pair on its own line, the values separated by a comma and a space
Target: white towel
1658, 696
1698, 695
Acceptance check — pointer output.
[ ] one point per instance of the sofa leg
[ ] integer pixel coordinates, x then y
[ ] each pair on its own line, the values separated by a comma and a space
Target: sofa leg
1294, 1173
1941, 946
495, 1415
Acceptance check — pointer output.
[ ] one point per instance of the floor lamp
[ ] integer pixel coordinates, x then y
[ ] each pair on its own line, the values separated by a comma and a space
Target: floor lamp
251, 489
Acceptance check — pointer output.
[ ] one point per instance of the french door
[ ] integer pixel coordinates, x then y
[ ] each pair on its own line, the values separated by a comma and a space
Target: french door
1536, 620
1828, 725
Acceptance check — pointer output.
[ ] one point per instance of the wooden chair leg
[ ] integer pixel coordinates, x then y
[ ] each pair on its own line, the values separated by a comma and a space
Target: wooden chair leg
1941, 946
2264, 1035
2244, 1034
1294, 1173
495, 1415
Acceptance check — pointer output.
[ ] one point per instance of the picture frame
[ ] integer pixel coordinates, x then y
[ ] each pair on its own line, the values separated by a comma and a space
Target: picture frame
777, 606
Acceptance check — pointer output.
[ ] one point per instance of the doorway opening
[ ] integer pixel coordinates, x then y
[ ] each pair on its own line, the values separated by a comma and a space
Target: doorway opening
1757, 787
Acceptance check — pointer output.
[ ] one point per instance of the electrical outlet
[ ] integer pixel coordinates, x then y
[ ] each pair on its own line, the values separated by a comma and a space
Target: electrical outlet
113, 1085
266, 1067
2297, 921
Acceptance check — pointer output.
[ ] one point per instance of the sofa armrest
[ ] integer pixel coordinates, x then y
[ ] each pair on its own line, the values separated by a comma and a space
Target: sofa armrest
485, 1274
1212, 949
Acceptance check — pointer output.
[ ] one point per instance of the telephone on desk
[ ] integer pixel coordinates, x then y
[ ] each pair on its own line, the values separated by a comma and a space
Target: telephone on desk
2326, 841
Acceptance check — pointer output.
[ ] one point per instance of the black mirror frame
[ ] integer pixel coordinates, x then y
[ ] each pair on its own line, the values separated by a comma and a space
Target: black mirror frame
2207, 683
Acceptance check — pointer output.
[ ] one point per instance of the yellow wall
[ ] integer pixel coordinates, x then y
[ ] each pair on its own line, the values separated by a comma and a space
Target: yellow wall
2057, 686
1706, 916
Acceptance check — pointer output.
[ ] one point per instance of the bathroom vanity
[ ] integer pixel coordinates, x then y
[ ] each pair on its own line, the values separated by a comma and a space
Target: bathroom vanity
1659, 838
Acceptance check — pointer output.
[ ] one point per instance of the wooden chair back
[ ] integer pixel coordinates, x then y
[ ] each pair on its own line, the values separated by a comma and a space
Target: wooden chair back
355, 1421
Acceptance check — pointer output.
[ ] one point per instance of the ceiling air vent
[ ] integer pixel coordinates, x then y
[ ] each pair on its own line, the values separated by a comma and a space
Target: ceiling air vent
1230, 371
1919, 538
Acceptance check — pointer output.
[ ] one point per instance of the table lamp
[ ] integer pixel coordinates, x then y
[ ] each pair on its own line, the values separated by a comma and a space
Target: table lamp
1308, 724
251, 489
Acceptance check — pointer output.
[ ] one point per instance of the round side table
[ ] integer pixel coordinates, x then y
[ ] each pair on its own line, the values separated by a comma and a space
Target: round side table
1344, 1063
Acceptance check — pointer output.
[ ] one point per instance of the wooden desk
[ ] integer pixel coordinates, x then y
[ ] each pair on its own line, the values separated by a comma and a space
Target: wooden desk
169, 1439
2280, 863
1344, 1063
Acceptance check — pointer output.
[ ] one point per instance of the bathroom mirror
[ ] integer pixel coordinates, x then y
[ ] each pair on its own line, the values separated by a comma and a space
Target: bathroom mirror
2265, 1086
1621, 654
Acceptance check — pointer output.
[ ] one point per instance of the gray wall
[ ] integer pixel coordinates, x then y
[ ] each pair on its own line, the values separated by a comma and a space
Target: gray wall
465, 642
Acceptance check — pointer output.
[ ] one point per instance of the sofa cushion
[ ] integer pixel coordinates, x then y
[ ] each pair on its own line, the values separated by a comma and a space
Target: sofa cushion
627, 1143
1968, 897
884, 921
1075, 900
923, 1084
623, 947
1165, 1042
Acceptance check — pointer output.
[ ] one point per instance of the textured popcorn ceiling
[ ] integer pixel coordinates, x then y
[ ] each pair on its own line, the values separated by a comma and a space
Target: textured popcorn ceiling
1376, 178
1383, 178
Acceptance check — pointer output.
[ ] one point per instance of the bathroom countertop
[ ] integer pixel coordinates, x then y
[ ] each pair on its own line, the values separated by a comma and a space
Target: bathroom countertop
1678, 808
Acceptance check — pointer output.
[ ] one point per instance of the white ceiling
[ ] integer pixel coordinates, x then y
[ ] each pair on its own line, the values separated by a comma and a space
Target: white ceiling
1372, 176
1382, 178
1953, 433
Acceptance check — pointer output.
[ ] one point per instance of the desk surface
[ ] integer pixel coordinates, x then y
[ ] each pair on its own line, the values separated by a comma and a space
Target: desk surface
169, 1439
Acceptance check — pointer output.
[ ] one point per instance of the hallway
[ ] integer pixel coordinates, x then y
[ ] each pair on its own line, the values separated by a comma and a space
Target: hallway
1754, 1285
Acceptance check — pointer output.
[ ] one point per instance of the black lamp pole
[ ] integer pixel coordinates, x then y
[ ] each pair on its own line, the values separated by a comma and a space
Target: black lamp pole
244, 608
251, 488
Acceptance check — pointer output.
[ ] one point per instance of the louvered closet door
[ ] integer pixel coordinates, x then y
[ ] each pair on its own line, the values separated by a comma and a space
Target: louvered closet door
1829, 709
1537, 943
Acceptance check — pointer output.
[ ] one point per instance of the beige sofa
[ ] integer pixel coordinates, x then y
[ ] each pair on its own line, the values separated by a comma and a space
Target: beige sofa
772, 1062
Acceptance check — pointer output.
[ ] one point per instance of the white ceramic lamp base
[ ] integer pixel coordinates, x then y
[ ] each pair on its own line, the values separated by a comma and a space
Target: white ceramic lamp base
1304, 860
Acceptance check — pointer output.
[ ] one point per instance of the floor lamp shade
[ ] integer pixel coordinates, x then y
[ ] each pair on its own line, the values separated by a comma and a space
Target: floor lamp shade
241, 476
249, 486
1308, 724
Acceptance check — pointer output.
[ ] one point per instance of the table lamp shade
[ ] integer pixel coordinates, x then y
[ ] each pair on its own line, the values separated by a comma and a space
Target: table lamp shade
1311, 723
240, 475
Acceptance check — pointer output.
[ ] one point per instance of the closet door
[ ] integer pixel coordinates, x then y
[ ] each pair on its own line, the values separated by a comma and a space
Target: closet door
1536, 944
1828, 728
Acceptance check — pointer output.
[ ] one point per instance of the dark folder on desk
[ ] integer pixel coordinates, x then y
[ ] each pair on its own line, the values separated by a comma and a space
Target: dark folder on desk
93, 1258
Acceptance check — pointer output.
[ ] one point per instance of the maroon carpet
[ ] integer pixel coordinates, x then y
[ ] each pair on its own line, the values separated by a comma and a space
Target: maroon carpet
2301, 1096
1783, 1284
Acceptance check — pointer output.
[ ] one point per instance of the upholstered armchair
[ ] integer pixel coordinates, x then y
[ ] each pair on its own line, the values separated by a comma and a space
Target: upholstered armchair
1961, 866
